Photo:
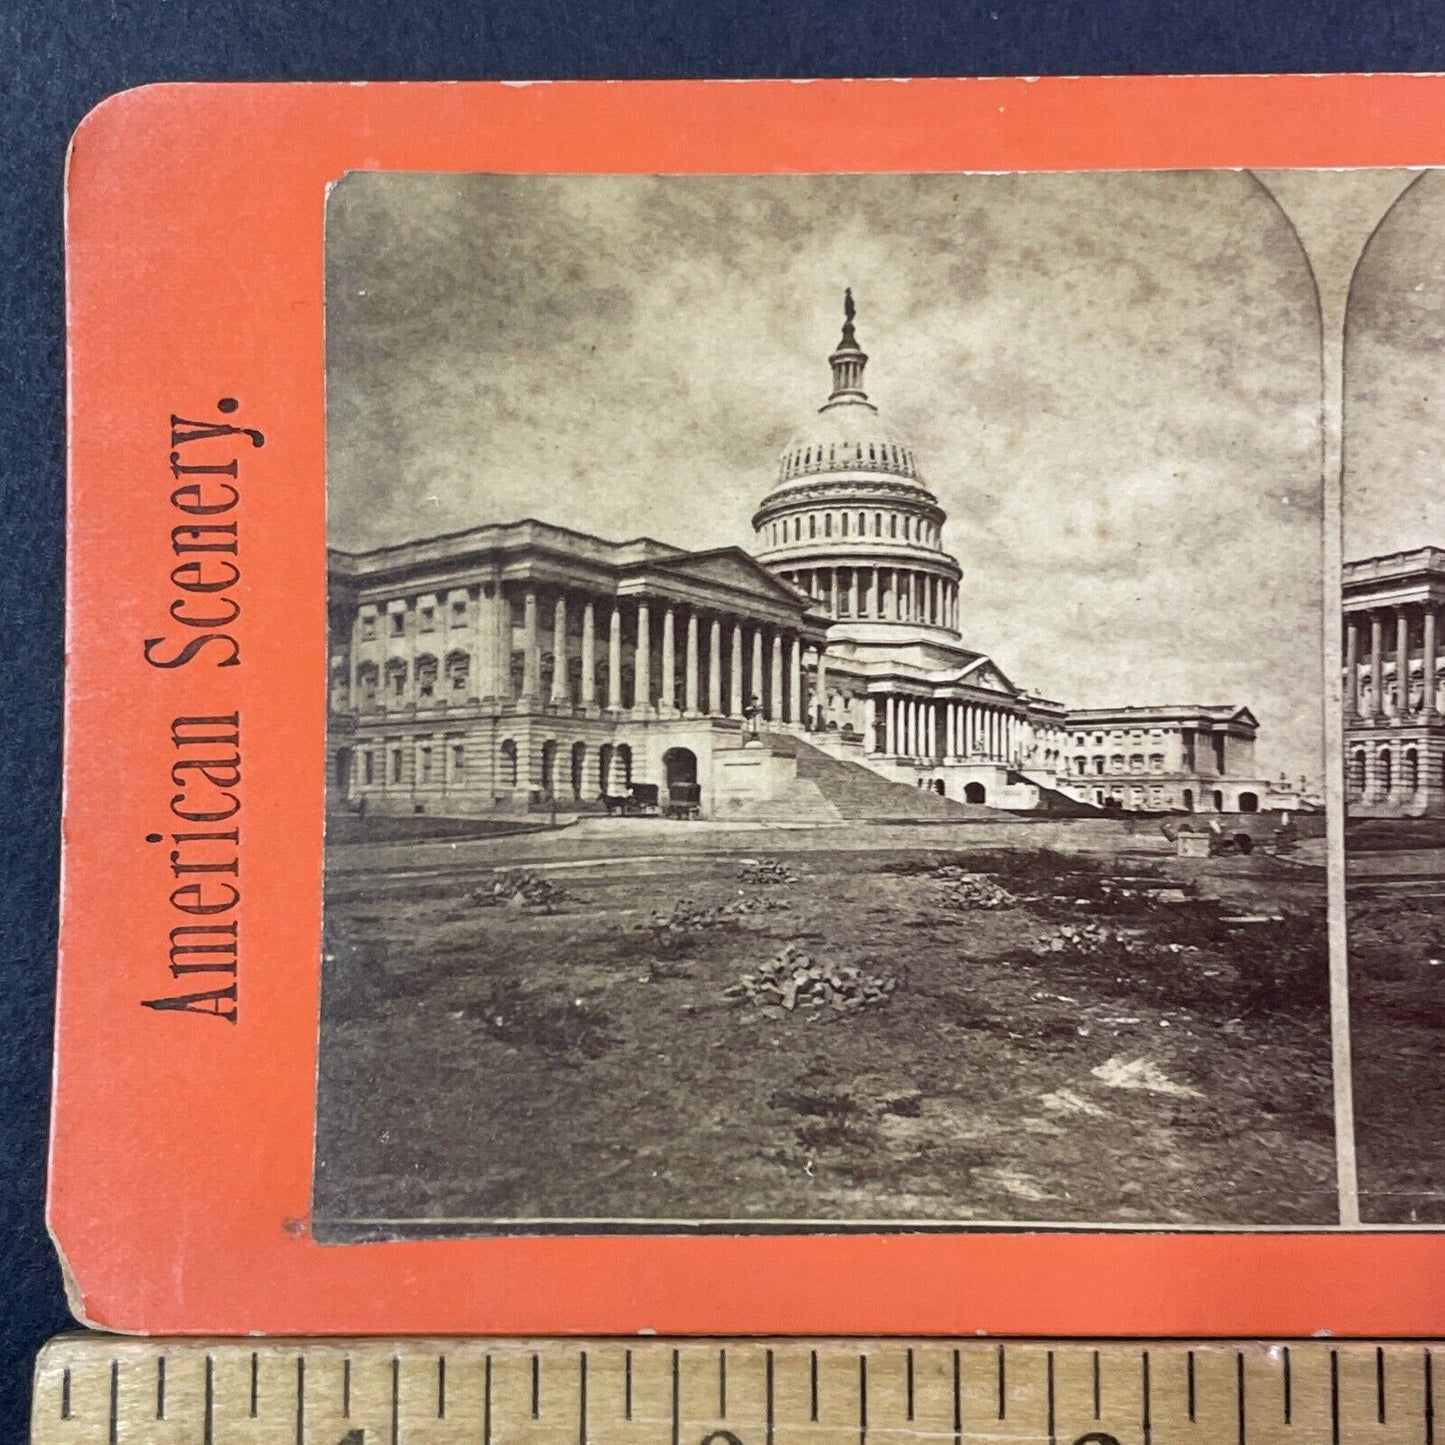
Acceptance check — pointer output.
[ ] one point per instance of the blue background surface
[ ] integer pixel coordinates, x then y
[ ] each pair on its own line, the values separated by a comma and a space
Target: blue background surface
58, 59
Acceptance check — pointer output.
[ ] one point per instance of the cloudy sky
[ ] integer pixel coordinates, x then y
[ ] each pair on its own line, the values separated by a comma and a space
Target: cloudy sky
1111, 382
1394, 487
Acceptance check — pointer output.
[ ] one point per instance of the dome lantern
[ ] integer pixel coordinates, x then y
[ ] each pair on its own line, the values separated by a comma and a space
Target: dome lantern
849, 359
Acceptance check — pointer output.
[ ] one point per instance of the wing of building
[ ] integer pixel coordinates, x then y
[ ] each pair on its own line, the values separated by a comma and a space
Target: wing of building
1393, 688
823, 677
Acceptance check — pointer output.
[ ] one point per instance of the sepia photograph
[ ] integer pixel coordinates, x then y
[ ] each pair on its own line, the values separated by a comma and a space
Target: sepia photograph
1394, 707
826, 722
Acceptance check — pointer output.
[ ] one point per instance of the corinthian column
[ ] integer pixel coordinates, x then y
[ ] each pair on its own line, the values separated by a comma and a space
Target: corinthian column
1427, 701
589, 654
689, 681
642, 660
820, 687
775, 679
736, 700
561, 688
1352, 668
614, 659
668, 700
714, 668
531, 650
1377, 663
795, 678
757, 668
1402, 662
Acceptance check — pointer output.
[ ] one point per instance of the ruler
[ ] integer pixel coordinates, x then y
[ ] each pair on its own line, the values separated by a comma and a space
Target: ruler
111, 1390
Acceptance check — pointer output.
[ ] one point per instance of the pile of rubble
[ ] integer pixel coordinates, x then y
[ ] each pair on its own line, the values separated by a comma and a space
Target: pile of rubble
689, 917
765, 871
974, 890
1096, 938
795, 980
520, 888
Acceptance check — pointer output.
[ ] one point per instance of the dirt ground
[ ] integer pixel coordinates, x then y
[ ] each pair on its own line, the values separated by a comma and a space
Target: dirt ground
1396, 921
595, 1052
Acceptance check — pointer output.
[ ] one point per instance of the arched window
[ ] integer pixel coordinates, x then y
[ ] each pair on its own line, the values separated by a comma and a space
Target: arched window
893, 524
395, 680
426, 679
1410, 773
828, 524
862, 523
367, 681
507, 757
877, 524
797, 529
1384, 770
812, 525
459, 667
843, 519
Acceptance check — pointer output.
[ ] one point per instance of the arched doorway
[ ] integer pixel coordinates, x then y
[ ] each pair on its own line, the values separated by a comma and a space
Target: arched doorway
604, 768
1218, 801
679, 766
579, 758
1189, 800
343, 772
549, 768
1248, 803
938, 786
508, 753
622, 768
974, 793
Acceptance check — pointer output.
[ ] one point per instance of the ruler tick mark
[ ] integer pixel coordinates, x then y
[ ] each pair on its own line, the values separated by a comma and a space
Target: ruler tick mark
1189, 1371
1334, 1395
627, 1384
114, 1401
65, 1394
300, 1400
676, 1399
161, 1388
582, 1399
1380, 1384
1002, 1385
768, 1429
395, 1399
862, 1400
208, 1425
1289, 1387
346, 1388
1239, 1390
957, 1397
1429, 1399
813, 1372
536, 1385
1053, 1423
487, 1401
255, 1382
1097, 1391
722, 1384
908, 1368
442, 1385
1148, 1421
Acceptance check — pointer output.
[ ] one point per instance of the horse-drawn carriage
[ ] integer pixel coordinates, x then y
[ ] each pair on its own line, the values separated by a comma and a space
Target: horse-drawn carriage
639, 799
684, 800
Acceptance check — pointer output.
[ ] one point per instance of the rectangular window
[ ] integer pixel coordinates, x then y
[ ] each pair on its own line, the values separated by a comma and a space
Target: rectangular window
396, 765
368, 767
398, 624
368, 627
459, 761
426, 765
427, 619
459, 612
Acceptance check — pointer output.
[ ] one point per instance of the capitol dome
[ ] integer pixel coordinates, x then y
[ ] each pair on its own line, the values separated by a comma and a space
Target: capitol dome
849, 519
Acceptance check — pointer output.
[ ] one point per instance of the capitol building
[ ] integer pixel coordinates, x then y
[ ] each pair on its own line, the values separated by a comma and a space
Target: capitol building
522, 665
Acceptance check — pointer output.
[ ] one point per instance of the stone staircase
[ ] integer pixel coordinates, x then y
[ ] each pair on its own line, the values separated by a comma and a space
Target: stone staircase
828, 790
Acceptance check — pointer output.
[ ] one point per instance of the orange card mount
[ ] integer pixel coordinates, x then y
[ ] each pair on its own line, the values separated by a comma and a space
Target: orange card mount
545, 853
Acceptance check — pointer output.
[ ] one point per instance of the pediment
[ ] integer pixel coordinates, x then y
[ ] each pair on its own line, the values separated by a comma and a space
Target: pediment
986, 675
729, 568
